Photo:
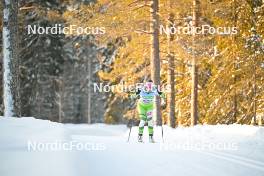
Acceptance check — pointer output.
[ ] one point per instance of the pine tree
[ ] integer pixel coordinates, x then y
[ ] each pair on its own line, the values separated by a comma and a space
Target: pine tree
194, 99
155, 56
171, 75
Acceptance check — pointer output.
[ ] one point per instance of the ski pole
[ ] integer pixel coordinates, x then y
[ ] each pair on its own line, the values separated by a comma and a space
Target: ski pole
162, 133
131, 123
129, 133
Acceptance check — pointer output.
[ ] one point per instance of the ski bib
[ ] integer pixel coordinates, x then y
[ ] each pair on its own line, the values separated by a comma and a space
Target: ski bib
147, 97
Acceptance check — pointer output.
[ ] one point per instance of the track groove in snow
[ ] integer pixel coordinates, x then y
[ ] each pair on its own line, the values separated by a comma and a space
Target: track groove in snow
240, 158
236, 159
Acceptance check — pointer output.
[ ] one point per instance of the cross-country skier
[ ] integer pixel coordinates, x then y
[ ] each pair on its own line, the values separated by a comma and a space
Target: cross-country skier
145, 107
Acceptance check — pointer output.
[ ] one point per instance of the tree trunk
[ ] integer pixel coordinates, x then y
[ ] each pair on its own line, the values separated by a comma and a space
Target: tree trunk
234, 120
171, 76
155, 58
10, 59
255, 94
89, 70
254, 19
194, 93
59, 94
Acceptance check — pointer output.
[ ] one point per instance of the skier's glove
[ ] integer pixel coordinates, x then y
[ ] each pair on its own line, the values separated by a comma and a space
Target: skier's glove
163, 95
163, 104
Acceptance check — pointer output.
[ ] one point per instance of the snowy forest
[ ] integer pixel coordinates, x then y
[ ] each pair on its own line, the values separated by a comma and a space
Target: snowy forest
126, 87
214, 78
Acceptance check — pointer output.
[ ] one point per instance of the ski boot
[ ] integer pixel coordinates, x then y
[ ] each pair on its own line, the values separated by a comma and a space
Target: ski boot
151, 140
140, 138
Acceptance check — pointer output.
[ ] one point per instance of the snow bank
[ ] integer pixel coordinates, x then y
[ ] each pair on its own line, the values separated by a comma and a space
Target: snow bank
186, 151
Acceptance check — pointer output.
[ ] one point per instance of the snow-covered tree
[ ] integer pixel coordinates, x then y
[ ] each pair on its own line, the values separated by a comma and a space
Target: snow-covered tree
10, 59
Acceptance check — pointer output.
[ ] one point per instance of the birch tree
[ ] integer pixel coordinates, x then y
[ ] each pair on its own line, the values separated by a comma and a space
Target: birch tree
194, 96
10, 59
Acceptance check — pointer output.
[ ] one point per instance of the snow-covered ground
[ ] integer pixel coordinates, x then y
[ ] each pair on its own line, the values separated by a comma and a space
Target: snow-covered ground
30, 147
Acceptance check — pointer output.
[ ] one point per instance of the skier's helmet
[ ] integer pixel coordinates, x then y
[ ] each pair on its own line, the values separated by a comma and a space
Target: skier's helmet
148, 87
